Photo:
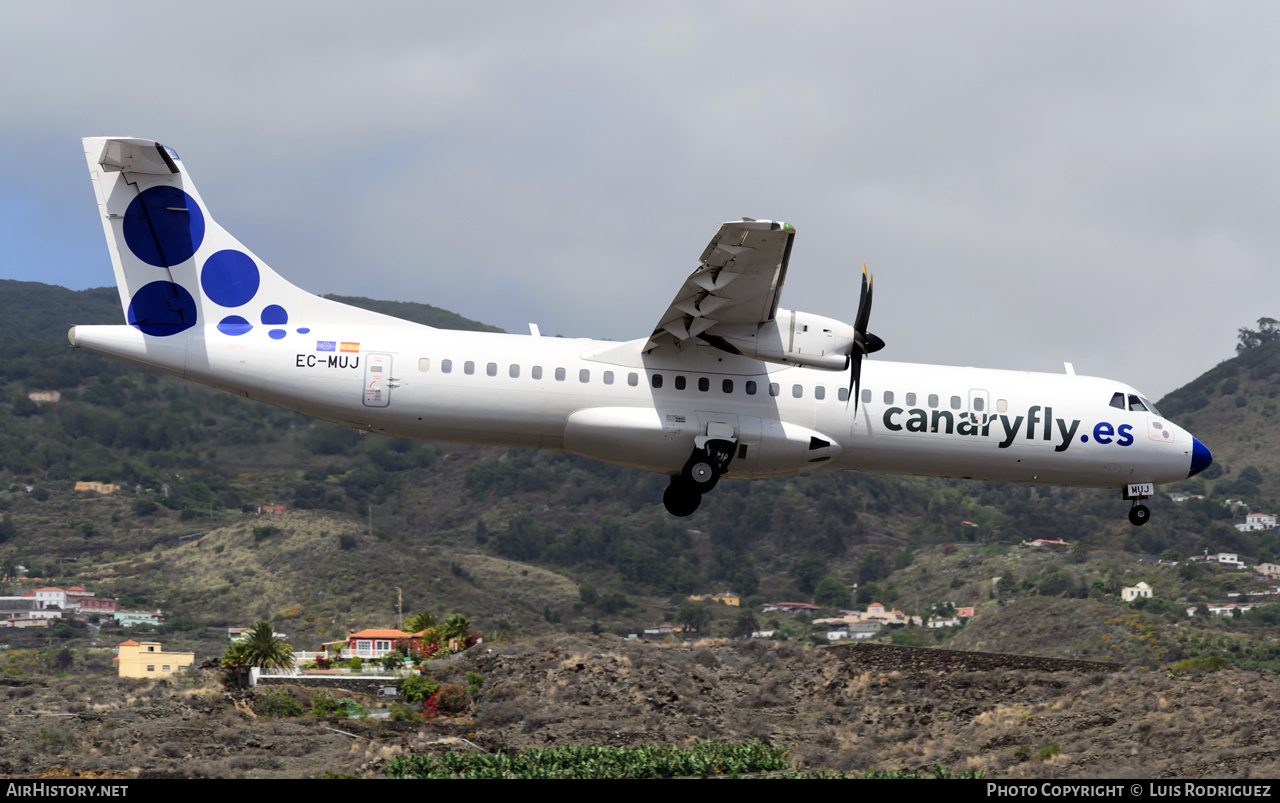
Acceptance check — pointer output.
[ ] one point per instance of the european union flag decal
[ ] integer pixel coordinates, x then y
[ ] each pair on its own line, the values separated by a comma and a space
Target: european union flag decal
326, 345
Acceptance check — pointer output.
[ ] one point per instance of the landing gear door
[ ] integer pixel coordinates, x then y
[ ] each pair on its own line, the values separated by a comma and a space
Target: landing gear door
378, 381
748, 437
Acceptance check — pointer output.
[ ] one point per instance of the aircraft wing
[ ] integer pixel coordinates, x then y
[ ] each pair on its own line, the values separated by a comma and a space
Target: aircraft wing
738, 281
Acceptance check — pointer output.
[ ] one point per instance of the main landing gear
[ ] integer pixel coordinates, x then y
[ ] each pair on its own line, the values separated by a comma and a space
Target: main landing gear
700, 474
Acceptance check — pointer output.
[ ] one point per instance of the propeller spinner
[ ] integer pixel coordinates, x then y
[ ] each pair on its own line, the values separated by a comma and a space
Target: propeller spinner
864, 342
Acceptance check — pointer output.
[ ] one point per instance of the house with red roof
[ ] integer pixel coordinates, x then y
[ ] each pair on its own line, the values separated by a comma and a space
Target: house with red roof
374, 643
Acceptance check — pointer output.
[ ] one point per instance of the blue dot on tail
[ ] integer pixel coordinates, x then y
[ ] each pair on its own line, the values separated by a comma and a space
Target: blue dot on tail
162, 309
163, 226
303, 330
275, 314
230, 278
234, 325
277, 334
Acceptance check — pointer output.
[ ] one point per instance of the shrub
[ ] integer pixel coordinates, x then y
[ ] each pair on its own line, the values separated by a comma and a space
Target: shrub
474, 681
327, 707
1211, 663
277, 704
452, 699
418, 687
403, 713
353, 709
1047, 752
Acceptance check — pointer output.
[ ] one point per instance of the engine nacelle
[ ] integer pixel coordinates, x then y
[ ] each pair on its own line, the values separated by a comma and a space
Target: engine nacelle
793, 338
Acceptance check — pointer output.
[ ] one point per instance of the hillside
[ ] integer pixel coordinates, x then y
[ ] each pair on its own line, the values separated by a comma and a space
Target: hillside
535, 542
1232, 408
833, 709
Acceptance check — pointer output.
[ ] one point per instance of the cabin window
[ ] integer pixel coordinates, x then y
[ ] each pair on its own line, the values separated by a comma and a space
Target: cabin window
633, 379
1136, 405
584, 376
491, 369
888, 397
842, 394
774, 389
819, 393
536, 372
726, 386
560, 374
911, 400
424, 364
1117, 401
751, 387
704, 384
446, 366
608, 377
679, 382
866, 396
1002, 406
468, 368
933, 400
797, 391
978, 404
955, 402
514, 371
656, 380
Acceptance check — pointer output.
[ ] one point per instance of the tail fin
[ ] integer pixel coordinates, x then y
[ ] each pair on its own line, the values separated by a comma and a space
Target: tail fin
175, 267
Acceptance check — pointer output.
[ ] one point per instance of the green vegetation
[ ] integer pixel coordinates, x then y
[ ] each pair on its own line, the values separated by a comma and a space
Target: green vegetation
1208, 664
277, 704
704, 758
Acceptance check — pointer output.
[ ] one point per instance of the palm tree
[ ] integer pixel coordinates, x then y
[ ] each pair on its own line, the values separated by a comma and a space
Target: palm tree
259, 647
455, 626
746, 625
693, 615
419, 621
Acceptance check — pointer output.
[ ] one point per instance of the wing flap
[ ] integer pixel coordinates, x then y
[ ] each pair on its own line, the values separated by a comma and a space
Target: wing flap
738, 281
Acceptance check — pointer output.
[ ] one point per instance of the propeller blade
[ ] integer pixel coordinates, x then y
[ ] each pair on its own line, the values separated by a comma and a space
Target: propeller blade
864, 304
855, 383
864, 342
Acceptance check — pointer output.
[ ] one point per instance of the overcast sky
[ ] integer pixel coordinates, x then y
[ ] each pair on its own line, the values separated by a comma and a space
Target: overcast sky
1030, 183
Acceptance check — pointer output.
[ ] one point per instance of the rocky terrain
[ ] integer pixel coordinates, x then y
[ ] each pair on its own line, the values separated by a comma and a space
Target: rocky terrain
839, 708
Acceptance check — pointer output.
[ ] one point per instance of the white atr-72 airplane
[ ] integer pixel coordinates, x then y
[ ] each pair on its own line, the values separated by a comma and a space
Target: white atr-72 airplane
728, 384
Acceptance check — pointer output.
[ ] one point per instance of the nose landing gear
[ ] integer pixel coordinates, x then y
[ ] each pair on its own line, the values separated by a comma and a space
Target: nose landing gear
1139, 514
700, 474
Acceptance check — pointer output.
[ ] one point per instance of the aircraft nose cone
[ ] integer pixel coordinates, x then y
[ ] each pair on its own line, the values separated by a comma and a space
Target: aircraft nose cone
1201, 457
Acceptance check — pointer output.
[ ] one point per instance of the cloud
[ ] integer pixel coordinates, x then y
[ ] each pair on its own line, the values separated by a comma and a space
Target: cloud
1030, 183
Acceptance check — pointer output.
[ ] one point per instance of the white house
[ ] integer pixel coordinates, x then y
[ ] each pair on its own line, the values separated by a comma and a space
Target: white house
1130, 593
1257, 521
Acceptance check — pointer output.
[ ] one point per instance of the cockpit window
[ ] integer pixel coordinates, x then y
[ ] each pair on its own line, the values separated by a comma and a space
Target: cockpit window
1150, 406
1136, 405
1117, 401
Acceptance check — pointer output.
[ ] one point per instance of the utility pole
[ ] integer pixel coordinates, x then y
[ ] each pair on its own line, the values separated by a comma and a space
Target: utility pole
399, 608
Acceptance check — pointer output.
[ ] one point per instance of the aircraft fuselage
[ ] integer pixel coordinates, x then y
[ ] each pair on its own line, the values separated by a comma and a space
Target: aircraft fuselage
609, 401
